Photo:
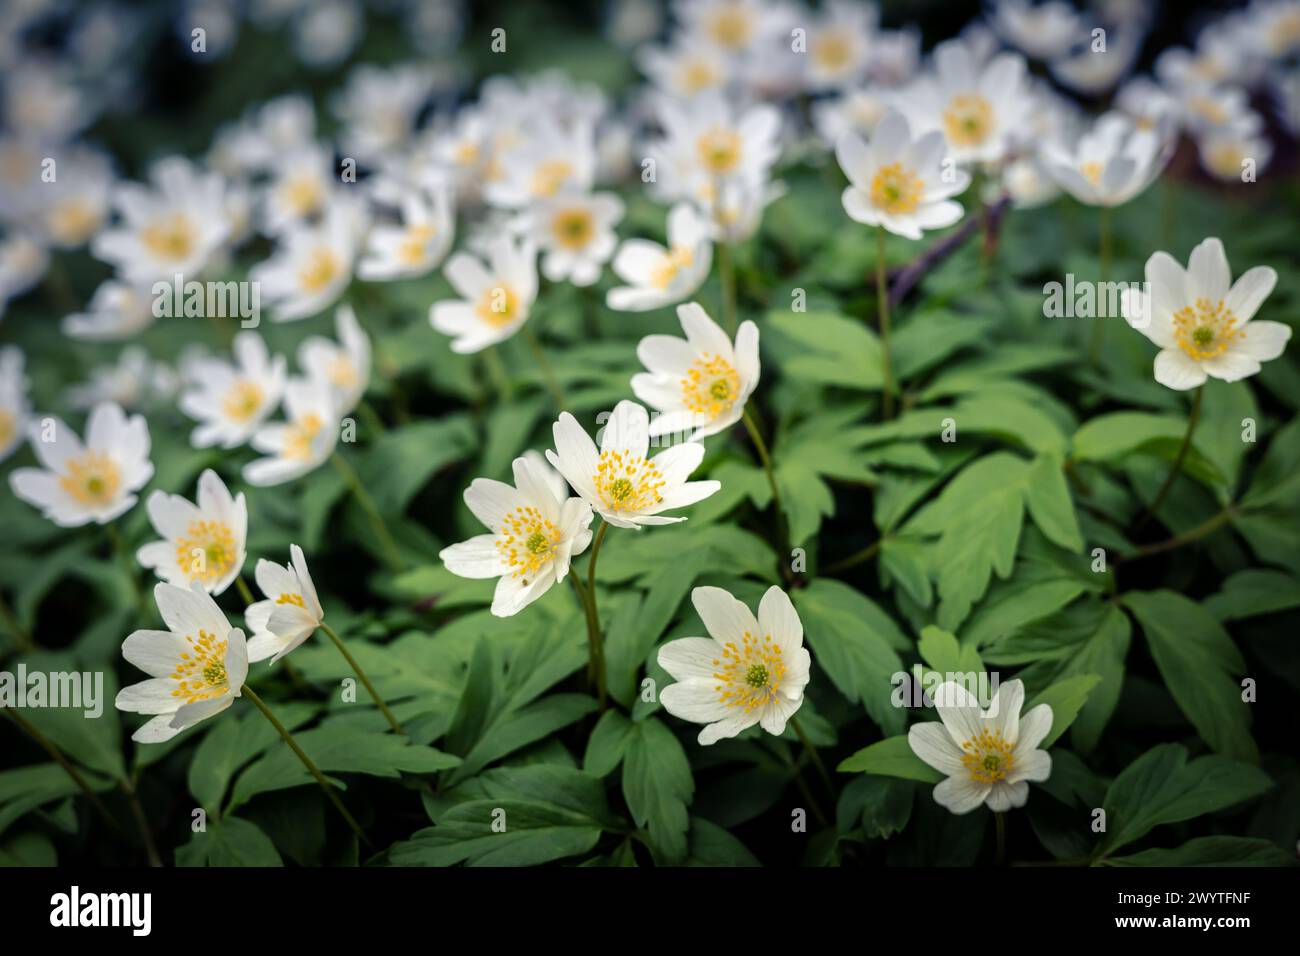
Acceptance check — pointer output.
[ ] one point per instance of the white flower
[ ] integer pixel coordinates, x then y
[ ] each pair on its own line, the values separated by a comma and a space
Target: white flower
417, 246
747, 671
23, 263
231, 401
495, 297
379, 107
96, 481
977, 106
117, 310
301, 443
659, 276
302, 186
898, 182
737, 210
291, 612
839, 44
699, 384
534, 535
735, 27
858, 111
196, 667
685, 68
548, 159
1202, 320
202, 542
76, 204
576, 234
623, 485
1112, 162
131, 382
708, 142
174, 227
1094, 72
1227, 154
15, 407
312, 265
344, 365
1043, 31
989, 756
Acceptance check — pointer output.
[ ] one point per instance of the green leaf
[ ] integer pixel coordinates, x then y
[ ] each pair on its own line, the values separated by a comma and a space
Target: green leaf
1253, 592
93, 742
710, 845
338, 748
1198, 661
1162, 786
233, 742
1066, 698
607, 744
229, 842
658, 786
402, 460
23, 789
854, 650
891, 757
1113, 437
1210, 851
1277, 480
1048, 498
519, 816
829, 349
887, 805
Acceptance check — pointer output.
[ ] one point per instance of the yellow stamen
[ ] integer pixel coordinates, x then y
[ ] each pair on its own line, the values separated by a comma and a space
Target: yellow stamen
968, 120
988, 756
201, 675
1206, 329
711, 386
750, 674
896, 190
242, 400
719, 150
527, 542
321, 268
93, 479
170, 237
207, 550
573, 228
627, 483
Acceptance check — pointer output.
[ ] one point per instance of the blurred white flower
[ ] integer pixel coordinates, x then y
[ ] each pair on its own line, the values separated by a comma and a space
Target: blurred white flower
15, 407
659, 276
1043, 31
23, 263
301, 443
840, 41
1112, 162
495, 296
417, 246
312, 264
707, 142
131, 382
327, 31
303, 183
684, 68
231, 401
291, 612
547, 160
1228, 154
203, 541
96, 481
343, 365
379, 106
76, 204
576, 234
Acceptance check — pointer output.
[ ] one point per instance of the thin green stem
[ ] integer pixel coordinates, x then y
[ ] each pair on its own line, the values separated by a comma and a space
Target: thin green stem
244, 591
882, 299
1000, 824
595, 639
124, 558
356, 668
802, 784
386, 540
1103, 256
57, 756
1207, 527
552, 383
1193, 417
853, 560
497, 372
21, 635
813, 755
373, 421
765, 457
306, 762
141, 823
727, 274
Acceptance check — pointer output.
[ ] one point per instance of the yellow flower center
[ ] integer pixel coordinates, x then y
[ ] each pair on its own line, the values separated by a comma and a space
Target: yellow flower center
968, 120
573, 228
550, 176
1092, 171
627, 483
415, 244
832, 51
207, 551
988, 756
729, 28
698, 75
342, 372
1209, 109
170, 237
242, 400
201, 671
527, 542
93, 479
1285, 33
294, 599
896, 190
499, 306
711, 386
719, 150
73, 221
1206, 329
679, 258
1225, 159
750, 674
321, 268
300, 435
303, 194
8, 428
467, 153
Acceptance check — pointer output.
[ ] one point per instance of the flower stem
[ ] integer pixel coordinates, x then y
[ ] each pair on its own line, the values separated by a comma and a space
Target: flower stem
497, 372
124, 557
373, 421
853, 560
1206, 527
244, 591
813, 755
765, 457
141, 823
356, 668
548, 373
727, 273
1000, 824
21, 635
367, 504
1192, 418
306, 762
1103, 256
882, 298
595, 639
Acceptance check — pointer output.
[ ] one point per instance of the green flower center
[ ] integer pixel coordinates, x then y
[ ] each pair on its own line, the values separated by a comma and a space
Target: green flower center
757, 676
215, 673
721, 390
1203, 335
621, 489
537, 543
